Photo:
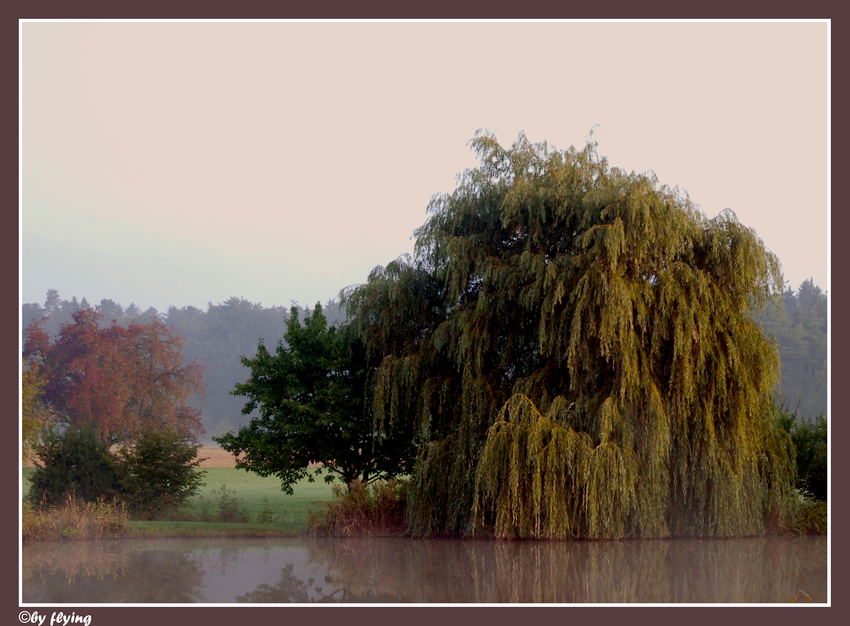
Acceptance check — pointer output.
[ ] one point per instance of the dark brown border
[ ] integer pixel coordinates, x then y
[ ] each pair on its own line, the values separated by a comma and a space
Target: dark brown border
13, 10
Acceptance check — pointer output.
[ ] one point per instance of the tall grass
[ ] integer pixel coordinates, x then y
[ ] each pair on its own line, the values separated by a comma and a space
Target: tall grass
807, 515
363, 510
74, 520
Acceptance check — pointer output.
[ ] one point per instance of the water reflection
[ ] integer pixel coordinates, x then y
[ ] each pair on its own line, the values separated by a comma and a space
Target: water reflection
770, 569
109, 571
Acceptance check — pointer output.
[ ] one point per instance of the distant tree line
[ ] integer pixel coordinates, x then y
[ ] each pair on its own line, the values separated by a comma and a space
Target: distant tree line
799, 325
218, 337
215, 338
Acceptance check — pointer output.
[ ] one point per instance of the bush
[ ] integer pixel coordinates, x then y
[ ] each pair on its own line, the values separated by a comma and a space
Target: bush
810, 445
376, 509
230, 508
266, 516
159, 473
76, 463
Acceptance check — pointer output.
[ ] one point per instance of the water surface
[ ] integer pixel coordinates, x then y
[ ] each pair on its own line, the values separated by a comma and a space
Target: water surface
750, 570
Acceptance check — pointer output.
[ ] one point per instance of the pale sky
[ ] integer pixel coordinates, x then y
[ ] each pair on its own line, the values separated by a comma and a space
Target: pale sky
179, 163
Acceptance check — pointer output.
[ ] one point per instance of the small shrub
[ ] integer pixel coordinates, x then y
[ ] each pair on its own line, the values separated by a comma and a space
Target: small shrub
266, 516
230, 508
376, 509
812, 518
205, 509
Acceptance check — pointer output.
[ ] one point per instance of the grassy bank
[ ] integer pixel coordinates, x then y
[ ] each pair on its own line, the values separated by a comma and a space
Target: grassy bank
246, 493
271, 513
145, 530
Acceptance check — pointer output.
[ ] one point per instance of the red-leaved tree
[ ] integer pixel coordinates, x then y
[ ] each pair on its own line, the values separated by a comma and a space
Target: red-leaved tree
121, 380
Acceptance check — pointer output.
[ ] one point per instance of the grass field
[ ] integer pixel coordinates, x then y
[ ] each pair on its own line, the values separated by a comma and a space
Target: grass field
289, 512
250, 490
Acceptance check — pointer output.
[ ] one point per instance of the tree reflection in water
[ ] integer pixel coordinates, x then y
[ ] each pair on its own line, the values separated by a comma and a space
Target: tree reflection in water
662, 571
393, 570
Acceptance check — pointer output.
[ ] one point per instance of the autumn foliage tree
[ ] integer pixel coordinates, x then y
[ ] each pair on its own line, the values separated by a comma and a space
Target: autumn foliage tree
120, 380
571, 348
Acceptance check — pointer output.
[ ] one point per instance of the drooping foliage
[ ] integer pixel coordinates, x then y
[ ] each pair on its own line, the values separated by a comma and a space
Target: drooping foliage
120, 380
571, 349
310, 397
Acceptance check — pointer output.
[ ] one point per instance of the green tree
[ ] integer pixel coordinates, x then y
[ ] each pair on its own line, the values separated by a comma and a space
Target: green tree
158, 472
309, 395
570, 347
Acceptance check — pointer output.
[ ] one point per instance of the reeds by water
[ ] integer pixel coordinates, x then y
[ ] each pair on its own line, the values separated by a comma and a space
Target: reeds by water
74, 519
376, 509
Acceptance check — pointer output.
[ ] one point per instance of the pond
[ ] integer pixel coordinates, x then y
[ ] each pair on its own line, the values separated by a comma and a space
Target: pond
391, 570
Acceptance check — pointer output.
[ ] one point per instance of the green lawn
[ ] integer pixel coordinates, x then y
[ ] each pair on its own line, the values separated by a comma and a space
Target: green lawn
250, 489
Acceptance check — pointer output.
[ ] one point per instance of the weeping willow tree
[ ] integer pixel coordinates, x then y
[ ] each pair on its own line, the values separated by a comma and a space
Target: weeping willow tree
570, 348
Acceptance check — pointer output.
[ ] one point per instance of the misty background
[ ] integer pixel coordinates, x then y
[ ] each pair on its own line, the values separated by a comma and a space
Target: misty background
213, 173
